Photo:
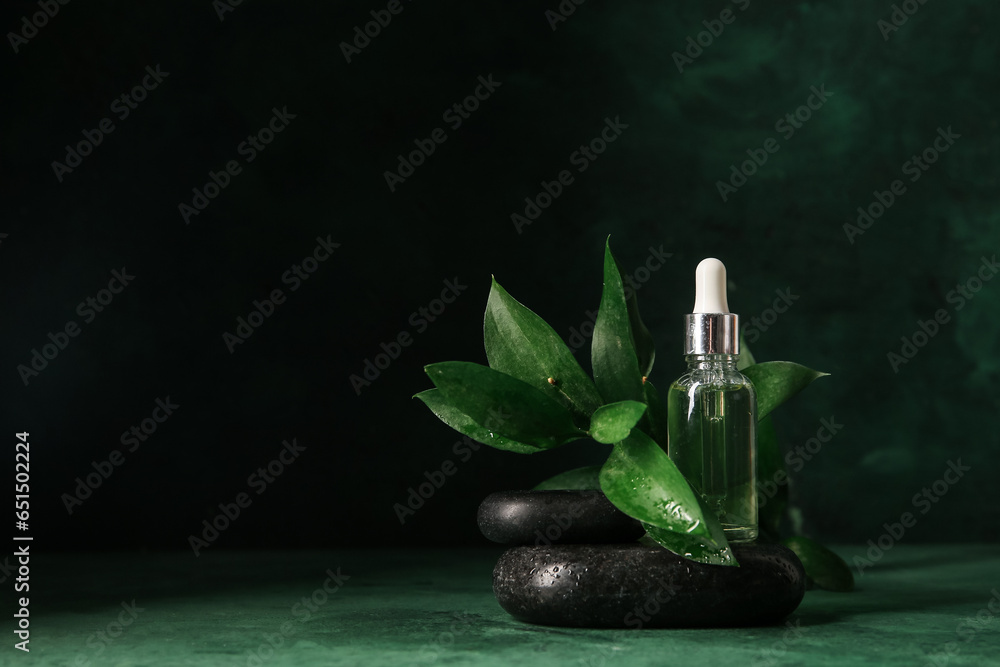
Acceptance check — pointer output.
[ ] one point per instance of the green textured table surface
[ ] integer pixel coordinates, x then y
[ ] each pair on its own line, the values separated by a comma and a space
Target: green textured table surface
422, 607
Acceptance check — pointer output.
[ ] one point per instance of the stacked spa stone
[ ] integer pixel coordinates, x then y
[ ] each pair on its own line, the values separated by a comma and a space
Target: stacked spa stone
575, 561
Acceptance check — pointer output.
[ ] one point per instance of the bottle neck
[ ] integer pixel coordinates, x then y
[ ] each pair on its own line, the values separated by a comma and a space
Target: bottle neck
712, 333
715, 361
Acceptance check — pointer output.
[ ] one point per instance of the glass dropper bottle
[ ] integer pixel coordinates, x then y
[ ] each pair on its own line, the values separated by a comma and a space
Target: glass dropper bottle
712, 410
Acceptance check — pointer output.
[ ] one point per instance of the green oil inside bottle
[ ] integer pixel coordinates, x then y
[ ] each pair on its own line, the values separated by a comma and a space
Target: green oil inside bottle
711, 430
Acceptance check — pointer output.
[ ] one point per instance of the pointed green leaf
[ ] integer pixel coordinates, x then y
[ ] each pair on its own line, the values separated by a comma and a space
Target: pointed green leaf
642, 339
770, 470
656, 414
713, 551
503, 404
825, 568
616, 368
523, 345
777, 381
614, 421
464, 424
640, 480
582, 479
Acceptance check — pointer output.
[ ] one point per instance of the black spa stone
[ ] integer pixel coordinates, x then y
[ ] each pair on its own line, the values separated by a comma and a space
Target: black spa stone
638, 586
555, 517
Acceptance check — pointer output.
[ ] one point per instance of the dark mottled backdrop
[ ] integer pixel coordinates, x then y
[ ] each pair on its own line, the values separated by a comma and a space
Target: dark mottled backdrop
749, 131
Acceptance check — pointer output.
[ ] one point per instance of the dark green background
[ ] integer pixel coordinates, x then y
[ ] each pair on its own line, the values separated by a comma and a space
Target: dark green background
655, 186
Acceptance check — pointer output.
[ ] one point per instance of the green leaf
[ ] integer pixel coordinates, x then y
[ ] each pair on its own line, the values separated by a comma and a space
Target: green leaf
521, 344
464, 424
582, 479
642, 340
614, 421
770, 475
613, 356
503, 404
777, 381
746, 356
656, 414
825, 568
640, 480
715, 551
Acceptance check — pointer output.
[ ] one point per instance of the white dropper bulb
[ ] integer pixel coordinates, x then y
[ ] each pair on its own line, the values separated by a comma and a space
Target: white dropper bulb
710, 287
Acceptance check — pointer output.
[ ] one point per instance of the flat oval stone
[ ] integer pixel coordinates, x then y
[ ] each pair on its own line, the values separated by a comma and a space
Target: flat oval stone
638, 586
542, 518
